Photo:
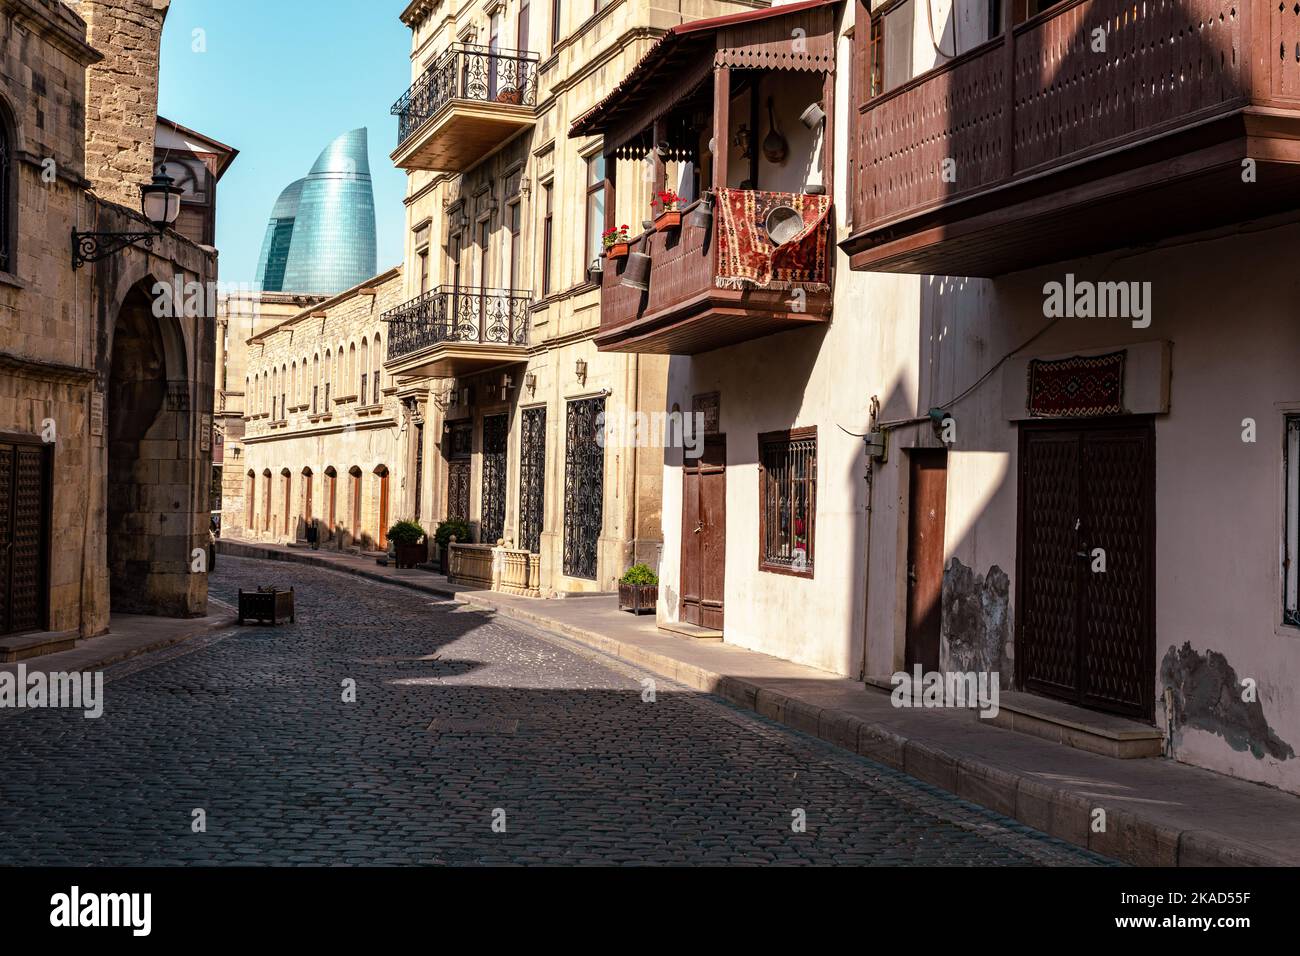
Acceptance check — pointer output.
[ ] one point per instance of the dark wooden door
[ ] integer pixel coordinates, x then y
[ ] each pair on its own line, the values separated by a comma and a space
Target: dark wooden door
383, 511
1087, 495
704, 535
926, 515
25, 494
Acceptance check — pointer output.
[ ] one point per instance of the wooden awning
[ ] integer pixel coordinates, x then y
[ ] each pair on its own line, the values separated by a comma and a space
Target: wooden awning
684, 58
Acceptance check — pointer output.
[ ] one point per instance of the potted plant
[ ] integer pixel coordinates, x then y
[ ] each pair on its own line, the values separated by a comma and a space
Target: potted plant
442, 535
670, 217
510, 95
408, 537
615, 239
638, 589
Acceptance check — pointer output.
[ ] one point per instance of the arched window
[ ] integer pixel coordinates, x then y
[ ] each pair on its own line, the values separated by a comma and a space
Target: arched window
363, 395
377, 360
352, 364
274, 393
8, 192
315, 383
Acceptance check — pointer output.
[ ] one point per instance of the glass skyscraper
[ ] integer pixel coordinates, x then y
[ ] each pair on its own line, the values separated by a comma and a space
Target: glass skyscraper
321, 235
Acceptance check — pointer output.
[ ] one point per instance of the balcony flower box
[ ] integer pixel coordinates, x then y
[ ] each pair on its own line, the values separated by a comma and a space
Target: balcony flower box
638, 590
670, 217
618, 250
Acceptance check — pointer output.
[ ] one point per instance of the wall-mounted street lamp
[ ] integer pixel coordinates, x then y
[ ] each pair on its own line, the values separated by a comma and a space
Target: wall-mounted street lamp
530, 382
580, 370
160, 201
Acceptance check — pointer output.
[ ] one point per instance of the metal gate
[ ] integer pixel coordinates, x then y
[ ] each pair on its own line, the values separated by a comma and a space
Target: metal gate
24, 533
493, 523
459, 449
532, 478
1086, 556
584, 485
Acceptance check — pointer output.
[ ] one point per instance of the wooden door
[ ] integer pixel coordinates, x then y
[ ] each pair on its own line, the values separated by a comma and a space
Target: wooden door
1086, 564
356, 510
383, 511
704, 535
331, 500
306, 505
926, 514
25, 496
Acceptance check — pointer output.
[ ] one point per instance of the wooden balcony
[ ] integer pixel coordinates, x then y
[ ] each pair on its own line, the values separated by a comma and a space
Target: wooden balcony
451, 331
471, 101
684, 312
1058, 151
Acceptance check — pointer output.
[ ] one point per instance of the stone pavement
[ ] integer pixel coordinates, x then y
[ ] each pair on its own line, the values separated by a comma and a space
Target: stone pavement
461, 719
1158, 812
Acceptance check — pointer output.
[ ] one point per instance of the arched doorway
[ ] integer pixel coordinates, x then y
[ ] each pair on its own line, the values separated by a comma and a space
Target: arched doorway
381, 503
307, 480
250, 494
286, 492
331, 502
153, 506
355, 474
266, 499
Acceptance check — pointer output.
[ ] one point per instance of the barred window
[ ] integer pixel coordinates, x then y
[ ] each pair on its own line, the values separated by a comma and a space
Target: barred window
787, 500
1291, 540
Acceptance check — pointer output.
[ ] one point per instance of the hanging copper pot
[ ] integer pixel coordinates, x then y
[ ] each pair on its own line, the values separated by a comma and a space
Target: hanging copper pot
701, 217
636, 273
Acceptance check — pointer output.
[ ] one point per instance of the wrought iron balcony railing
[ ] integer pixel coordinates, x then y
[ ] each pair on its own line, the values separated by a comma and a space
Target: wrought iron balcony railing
468, 72
458, 315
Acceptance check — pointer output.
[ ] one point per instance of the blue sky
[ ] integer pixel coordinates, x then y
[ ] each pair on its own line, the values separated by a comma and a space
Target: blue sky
278, 81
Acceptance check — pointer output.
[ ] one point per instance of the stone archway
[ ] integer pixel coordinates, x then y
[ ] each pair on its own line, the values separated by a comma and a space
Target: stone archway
150, 476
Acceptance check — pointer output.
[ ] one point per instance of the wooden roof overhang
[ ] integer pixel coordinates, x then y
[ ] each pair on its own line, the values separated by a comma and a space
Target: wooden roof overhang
678, 65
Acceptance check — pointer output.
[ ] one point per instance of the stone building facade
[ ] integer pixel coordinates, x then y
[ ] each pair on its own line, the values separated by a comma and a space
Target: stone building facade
504, 216
105, 409
321, 426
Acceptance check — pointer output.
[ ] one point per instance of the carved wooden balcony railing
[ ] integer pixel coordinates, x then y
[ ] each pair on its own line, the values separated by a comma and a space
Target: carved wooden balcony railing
1042, 146
470, 100
684, 311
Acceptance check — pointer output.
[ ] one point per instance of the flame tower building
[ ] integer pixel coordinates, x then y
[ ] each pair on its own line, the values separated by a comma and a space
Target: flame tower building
321, 235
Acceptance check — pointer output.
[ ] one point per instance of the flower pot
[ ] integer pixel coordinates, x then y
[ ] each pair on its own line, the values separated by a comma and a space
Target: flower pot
510, 95
637, 598
668, 219
409, 555
618, 250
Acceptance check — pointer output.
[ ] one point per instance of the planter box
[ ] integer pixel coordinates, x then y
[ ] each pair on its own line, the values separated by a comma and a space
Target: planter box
671, 219
618, 250
409, 555
637, 597
266, 605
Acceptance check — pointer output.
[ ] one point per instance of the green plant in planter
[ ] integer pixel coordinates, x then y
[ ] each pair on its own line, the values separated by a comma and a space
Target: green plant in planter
406, 532
449, 528
639, 574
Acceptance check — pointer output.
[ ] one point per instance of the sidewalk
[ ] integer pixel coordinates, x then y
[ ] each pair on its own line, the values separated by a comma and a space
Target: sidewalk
128, 636
1158, 812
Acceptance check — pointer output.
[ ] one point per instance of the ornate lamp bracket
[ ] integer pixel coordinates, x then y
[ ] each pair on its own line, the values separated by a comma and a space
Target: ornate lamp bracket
93, 246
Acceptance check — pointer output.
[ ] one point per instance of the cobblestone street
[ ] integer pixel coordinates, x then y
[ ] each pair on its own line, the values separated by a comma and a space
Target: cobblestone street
459, 720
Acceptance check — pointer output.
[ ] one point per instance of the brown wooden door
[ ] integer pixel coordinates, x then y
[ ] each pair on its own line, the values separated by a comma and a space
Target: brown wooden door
704, 535
1083, 634
306, 509
383, 511
356, 510
926, 515
25, 495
